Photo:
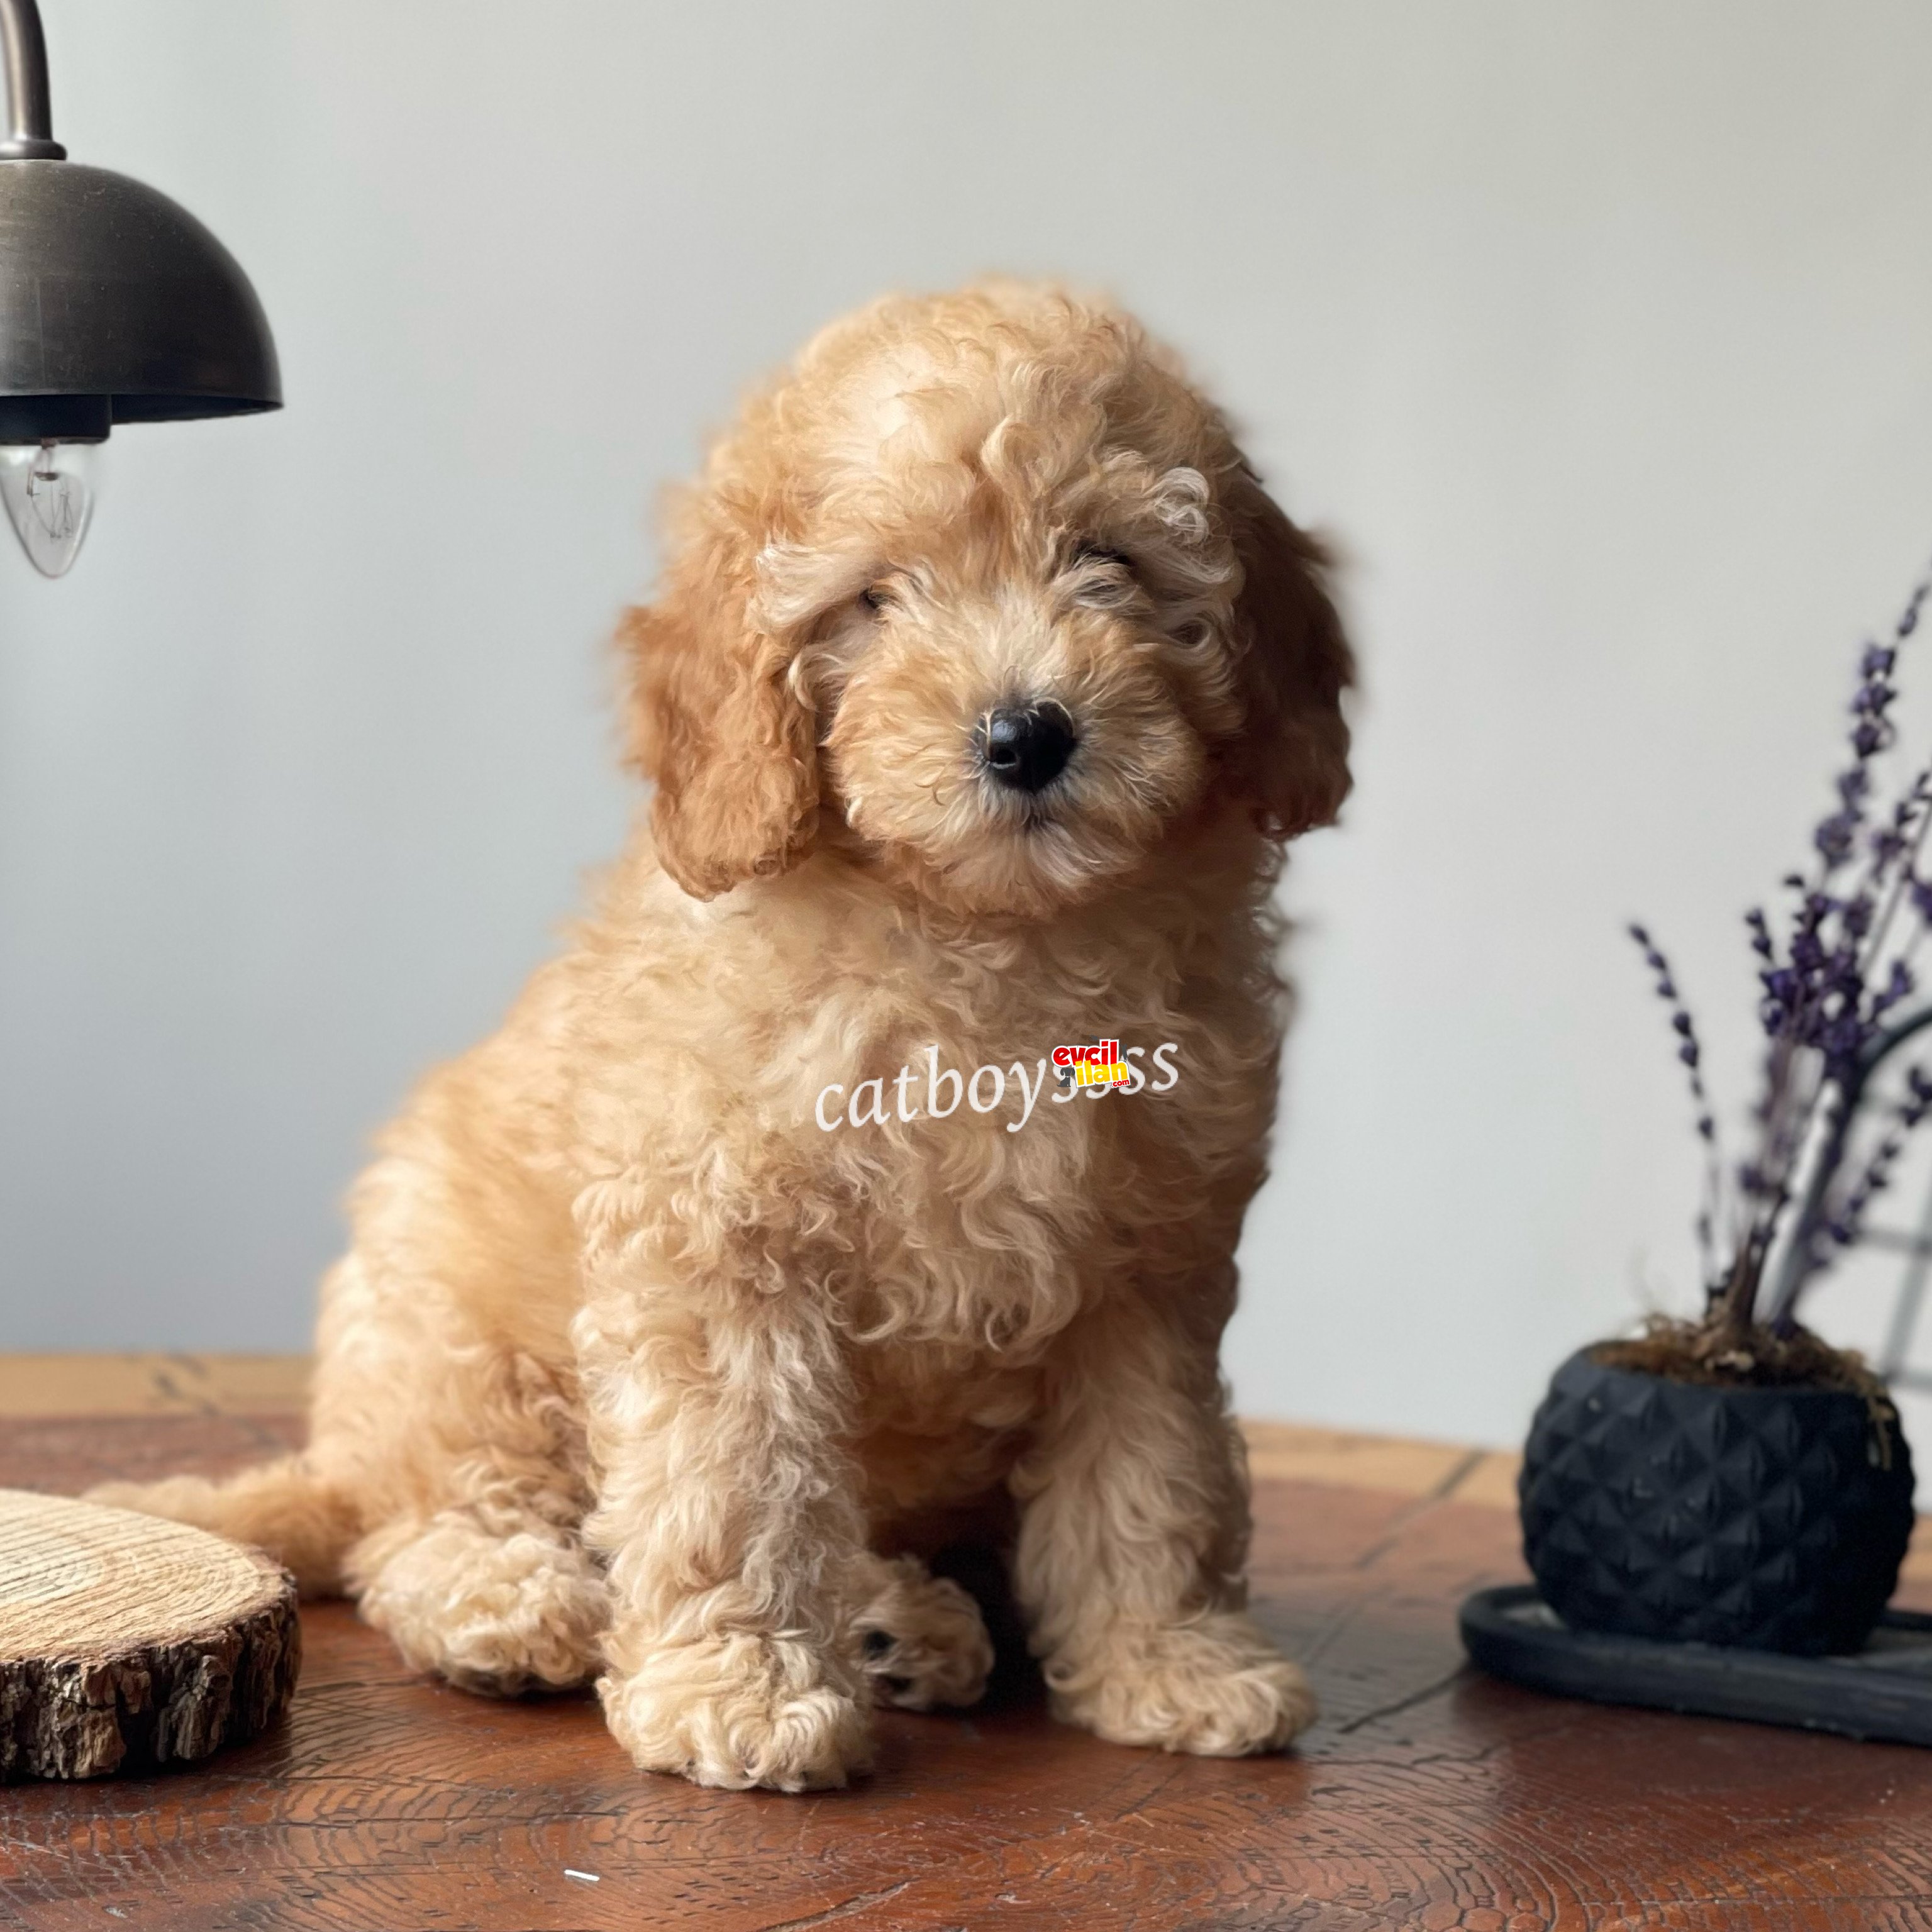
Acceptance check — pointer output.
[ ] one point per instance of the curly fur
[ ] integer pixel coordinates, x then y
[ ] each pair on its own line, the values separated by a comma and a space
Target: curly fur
632, 1369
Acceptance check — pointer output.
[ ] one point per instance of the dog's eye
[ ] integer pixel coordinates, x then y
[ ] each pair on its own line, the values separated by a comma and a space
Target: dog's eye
875, 597
1102, 577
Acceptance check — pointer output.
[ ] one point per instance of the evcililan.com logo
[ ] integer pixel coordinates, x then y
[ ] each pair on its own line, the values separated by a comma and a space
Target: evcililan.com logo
1099, 1068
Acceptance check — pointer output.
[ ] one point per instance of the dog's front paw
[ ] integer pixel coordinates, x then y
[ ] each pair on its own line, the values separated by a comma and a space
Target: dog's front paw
1217, 1688
921, 1639
737, 1711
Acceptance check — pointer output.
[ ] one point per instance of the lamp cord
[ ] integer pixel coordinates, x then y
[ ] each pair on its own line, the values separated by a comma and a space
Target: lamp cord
23, 52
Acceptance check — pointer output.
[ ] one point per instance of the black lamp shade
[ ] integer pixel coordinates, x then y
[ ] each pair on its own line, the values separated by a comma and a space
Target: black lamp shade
117, 305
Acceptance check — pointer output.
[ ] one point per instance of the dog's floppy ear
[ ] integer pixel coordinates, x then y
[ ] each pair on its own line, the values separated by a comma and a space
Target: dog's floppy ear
716, 720
1292, 760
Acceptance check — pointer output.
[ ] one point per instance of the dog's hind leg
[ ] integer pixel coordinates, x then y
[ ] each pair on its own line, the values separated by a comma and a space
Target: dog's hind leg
921, 1639
486, 1581
498, 1600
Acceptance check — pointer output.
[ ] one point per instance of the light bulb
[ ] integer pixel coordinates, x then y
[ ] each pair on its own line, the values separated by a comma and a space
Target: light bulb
48, 490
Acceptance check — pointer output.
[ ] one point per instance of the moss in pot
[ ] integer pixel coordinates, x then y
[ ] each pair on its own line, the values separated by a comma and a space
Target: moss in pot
1733, 1479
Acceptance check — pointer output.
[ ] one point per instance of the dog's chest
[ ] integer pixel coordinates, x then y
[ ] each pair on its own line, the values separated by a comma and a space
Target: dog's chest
987, 1193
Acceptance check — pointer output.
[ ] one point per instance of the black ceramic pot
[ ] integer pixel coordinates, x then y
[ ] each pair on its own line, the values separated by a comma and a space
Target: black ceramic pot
1773, 1518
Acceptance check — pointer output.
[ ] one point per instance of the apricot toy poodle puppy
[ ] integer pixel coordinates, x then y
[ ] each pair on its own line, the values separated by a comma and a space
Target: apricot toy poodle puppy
686, 1316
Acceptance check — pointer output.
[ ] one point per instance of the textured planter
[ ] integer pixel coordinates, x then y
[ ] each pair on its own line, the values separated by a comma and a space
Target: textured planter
1772, 1518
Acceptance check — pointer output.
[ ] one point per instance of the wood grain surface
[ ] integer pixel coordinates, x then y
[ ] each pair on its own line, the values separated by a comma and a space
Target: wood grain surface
1427, 1797
127, 1642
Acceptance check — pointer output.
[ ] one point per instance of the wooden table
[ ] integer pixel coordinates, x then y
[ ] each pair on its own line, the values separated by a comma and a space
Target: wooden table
1428, 1797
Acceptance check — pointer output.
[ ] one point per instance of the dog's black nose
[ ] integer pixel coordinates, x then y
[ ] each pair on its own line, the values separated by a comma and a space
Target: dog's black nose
1027, 746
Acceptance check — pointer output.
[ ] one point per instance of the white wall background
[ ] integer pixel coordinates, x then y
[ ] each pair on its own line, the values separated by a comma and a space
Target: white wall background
1597, 332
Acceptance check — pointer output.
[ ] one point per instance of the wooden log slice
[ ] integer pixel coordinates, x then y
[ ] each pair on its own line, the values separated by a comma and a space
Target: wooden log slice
127, 1642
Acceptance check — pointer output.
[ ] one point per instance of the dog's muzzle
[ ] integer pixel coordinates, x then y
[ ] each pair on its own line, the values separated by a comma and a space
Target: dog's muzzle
1026, 747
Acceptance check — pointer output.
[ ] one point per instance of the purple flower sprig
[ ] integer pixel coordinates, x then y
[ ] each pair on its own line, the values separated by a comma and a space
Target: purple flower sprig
1817, 997
1843, 1221
1835, 838
1691, 1054
1831, 985
1688, 1051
